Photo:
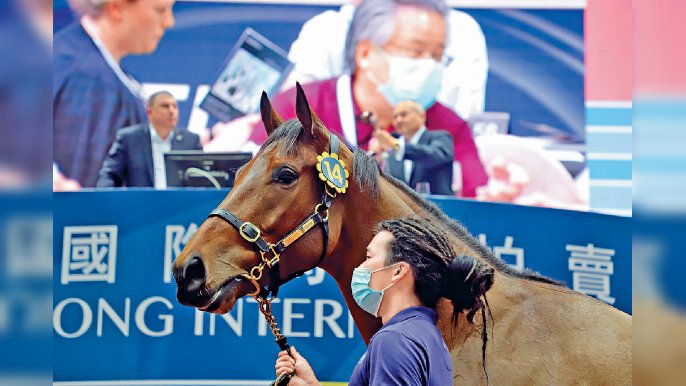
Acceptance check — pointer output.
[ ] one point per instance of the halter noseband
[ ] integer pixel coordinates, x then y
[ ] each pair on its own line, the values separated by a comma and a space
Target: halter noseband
252, 233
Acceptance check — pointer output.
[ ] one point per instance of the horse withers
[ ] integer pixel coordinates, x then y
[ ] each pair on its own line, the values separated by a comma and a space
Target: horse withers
290, 210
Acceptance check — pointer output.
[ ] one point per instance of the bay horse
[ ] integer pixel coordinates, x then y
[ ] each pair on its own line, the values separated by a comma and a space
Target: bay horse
299, 215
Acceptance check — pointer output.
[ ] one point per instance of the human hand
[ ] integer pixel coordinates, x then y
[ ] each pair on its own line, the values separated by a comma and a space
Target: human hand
204, 137
60, 183
374, 147
376, 151
385, 140
12, 178
232, 135
297, 365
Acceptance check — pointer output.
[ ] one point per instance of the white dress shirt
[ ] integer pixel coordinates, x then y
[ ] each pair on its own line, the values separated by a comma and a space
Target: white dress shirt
159, 147
400, 154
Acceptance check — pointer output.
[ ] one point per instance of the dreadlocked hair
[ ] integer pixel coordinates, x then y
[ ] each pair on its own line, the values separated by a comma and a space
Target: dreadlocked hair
437, 272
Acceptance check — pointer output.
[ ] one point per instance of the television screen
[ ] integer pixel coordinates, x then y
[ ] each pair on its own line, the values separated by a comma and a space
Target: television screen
194, 168
253, 65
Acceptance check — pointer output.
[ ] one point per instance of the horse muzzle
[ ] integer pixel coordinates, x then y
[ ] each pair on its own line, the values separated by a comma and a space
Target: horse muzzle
191, 281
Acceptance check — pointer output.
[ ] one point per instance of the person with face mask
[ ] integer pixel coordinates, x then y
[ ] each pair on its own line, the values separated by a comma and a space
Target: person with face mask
410, 265
317, 54
394, 52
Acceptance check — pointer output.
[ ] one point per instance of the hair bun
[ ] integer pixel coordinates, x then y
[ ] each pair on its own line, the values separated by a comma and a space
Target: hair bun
460, 269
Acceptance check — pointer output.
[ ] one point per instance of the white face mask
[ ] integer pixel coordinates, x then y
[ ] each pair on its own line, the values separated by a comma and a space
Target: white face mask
417, 80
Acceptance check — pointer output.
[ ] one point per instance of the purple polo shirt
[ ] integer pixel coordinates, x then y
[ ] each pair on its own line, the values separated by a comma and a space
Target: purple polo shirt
407, 350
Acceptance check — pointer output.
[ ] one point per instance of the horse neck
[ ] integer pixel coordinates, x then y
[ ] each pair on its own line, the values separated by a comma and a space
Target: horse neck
506, 298
360, 215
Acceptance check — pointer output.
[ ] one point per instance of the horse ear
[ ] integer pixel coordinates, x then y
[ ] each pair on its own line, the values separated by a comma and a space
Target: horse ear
305, 115
270, 118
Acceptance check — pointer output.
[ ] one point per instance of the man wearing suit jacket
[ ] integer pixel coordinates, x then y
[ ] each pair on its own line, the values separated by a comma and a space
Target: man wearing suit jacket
136, 157
419, 155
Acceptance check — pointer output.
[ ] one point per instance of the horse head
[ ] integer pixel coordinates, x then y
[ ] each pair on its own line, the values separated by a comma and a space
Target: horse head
248, 244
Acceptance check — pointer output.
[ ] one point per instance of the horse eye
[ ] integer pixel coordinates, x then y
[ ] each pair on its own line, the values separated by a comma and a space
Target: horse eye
286, 176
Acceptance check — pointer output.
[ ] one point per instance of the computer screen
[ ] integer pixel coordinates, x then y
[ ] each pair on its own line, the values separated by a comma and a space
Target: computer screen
194, 168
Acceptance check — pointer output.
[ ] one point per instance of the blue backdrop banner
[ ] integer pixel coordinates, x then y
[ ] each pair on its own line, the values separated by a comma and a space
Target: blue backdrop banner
116, 317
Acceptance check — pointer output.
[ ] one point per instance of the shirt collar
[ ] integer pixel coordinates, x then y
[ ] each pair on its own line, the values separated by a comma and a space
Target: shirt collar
92, 30
417, 135
418, 311
156, 137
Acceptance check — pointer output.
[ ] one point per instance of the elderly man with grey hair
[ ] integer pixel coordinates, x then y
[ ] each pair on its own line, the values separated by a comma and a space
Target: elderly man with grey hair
318, 54
394, 52
93, 96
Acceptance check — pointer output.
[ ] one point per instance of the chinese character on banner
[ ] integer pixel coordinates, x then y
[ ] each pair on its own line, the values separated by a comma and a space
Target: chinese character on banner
176, 238
315, 276
29, 247
592, 268
507, 252
89, 253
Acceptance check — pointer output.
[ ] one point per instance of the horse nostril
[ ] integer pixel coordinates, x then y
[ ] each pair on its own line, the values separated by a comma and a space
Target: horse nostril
194, 274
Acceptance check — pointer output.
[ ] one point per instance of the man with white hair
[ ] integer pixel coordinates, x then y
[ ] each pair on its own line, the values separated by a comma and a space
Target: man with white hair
93, 96
318, 54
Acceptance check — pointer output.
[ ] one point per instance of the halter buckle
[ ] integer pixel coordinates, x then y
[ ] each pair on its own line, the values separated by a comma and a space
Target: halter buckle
316, 210
251, 228
273, 260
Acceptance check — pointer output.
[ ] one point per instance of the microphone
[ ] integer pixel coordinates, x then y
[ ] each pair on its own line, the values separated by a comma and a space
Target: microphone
369, 118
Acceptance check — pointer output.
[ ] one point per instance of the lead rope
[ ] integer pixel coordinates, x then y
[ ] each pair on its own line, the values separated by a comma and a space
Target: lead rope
265, 306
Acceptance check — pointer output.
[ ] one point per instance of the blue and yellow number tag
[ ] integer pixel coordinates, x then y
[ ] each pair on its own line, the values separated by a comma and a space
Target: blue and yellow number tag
332, 171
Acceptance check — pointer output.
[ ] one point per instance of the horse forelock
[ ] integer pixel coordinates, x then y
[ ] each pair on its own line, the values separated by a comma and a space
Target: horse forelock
287, 138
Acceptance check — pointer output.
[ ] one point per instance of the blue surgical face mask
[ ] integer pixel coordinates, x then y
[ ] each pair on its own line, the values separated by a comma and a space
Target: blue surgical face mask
365, 297
411, 79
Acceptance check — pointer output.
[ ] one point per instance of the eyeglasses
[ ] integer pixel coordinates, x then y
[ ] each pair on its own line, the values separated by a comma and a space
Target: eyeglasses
414, 53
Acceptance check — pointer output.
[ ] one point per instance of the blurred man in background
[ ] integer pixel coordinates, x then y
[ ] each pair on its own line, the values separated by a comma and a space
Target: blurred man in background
25, 74
419, 155
137, 155
93, 96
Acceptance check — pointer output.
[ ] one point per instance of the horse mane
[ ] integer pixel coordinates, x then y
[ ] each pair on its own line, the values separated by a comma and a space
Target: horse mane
366, 172
465, 236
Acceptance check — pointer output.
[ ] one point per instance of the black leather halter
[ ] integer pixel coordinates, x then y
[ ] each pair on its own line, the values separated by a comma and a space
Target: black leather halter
270, 253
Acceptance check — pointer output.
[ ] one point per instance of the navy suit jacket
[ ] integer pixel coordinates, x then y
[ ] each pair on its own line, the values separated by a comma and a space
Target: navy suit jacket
433, 162
89, 105
129, 162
